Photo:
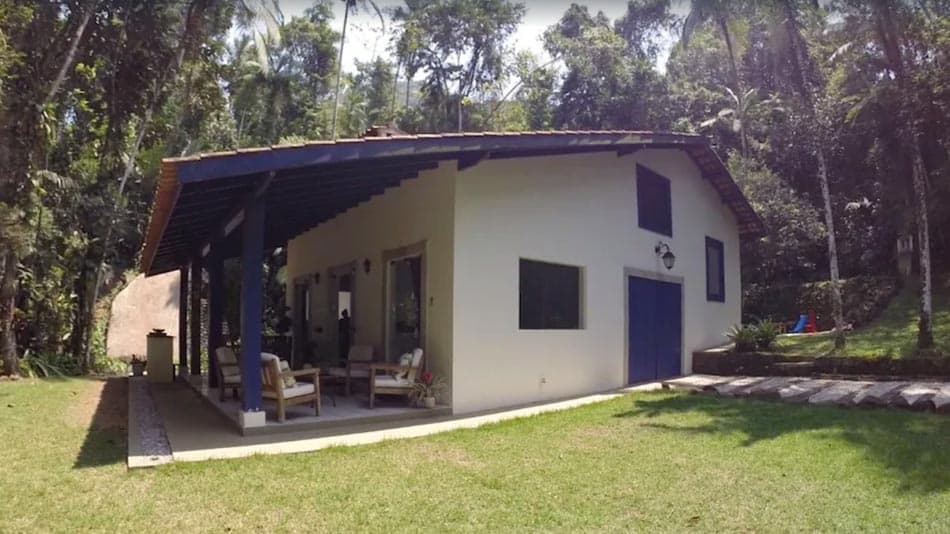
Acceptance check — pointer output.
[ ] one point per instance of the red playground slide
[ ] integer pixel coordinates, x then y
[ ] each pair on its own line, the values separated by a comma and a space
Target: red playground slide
812, 325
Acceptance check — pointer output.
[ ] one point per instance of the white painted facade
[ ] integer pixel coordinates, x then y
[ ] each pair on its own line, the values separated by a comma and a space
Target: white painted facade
477, 223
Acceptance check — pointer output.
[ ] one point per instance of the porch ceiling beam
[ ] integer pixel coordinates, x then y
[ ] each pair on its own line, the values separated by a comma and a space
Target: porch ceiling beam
355, 170
237, 213
280, 188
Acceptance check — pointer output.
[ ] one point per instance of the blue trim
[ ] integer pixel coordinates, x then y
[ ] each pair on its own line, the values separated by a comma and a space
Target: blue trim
654, 202
252, 304
710, 295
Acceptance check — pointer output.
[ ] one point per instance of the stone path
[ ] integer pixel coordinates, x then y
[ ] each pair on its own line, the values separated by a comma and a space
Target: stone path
918, 395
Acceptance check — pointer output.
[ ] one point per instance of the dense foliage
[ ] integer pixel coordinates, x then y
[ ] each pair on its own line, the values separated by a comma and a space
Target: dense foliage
851, 95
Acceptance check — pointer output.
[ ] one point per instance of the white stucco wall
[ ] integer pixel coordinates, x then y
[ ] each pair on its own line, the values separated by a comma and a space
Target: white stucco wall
578, 210
420, 209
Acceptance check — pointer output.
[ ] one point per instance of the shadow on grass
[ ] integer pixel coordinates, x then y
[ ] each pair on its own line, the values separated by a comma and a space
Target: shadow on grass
911, 447
105, 441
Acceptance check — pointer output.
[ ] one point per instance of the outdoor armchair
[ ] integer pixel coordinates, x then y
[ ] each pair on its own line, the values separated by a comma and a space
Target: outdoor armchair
355, 366
394, 378
228, 370
279, 383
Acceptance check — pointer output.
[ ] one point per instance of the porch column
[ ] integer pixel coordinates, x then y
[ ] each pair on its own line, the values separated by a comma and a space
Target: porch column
183, 321
215, 309
252, 311
196, 316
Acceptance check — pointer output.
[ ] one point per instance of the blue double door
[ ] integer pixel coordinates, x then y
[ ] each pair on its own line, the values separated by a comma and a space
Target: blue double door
655, 329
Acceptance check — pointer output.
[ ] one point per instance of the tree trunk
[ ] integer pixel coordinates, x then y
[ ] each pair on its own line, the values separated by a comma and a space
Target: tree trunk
740, 104
8, 355
808, 91
832, 251
925, 333
339, 71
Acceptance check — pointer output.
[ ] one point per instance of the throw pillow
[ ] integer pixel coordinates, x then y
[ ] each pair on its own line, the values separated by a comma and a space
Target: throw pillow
289, 381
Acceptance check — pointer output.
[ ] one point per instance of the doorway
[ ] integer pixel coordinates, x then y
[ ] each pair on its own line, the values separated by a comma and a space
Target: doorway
301, 323
655, 329
342, 307
404, 317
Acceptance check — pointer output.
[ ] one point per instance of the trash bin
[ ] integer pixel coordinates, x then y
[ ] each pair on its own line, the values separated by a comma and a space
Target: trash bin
158, 351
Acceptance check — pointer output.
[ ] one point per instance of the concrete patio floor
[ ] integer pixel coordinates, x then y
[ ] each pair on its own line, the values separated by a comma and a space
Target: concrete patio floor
197, 432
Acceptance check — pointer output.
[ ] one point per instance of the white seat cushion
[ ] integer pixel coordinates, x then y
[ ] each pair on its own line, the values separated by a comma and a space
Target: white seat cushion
230, 370
386, 381
302, 388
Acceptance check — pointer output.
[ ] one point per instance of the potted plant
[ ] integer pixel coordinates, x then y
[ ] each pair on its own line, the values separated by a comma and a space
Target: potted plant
138, 366
426, 388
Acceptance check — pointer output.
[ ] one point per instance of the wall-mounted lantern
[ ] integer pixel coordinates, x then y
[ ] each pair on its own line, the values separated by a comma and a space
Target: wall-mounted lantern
366, 265
669, 259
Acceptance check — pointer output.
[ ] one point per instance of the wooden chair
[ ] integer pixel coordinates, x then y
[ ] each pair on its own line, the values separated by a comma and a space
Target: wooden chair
281, 385
396, 378
228, 371
355, 366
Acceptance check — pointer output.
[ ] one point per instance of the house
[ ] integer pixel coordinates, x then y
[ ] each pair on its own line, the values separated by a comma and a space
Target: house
529, 266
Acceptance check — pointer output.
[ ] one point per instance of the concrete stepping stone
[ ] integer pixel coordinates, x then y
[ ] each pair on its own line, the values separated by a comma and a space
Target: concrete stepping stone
698, 382
879, 394
839, 392
738, 387
772, 386
942, 399
802, 391
917, 395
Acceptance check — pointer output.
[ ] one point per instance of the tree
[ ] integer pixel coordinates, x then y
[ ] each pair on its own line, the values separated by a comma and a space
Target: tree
349, 5
606, 83
33, 82
461, 45
804, 77
890, 21
719, 12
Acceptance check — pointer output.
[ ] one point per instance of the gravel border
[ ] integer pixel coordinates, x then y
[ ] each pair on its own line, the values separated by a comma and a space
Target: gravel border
148, 442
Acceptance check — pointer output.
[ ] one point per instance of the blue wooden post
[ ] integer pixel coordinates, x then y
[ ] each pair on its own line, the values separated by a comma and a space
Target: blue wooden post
182, 320
196, 316
252, 304
215, 309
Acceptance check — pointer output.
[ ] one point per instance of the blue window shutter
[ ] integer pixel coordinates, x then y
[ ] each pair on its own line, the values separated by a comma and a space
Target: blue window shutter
654, 202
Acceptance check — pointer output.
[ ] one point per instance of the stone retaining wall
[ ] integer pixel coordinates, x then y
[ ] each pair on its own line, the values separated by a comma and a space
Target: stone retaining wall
766, 364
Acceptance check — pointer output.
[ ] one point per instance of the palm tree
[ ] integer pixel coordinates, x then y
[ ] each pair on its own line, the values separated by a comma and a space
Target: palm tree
889, 32
784, 18
717, 11
349, 5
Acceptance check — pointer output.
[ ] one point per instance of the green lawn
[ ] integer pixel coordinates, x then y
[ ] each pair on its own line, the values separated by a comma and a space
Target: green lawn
652, 462
893, 334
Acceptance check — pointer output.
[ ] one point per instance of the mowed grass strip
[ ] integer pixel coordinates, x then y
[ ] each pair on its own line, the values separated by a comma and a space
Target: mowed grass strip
649, 461
893, 334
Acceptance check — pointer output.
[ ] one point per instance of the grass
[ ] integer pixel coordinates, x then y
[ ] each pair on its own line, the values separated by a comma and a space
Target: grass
651, 461
893, 334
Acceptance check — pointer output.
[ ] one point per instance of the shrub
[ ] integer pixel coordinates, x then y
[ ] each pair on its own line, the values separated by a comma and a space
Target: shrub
863, 299
745, 337
765, 334
40, 365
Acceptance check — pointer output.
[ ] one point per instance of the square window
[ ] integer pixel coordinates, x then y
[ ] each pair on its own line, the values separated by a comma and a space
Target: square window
550, 296
715, 271
654, 210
